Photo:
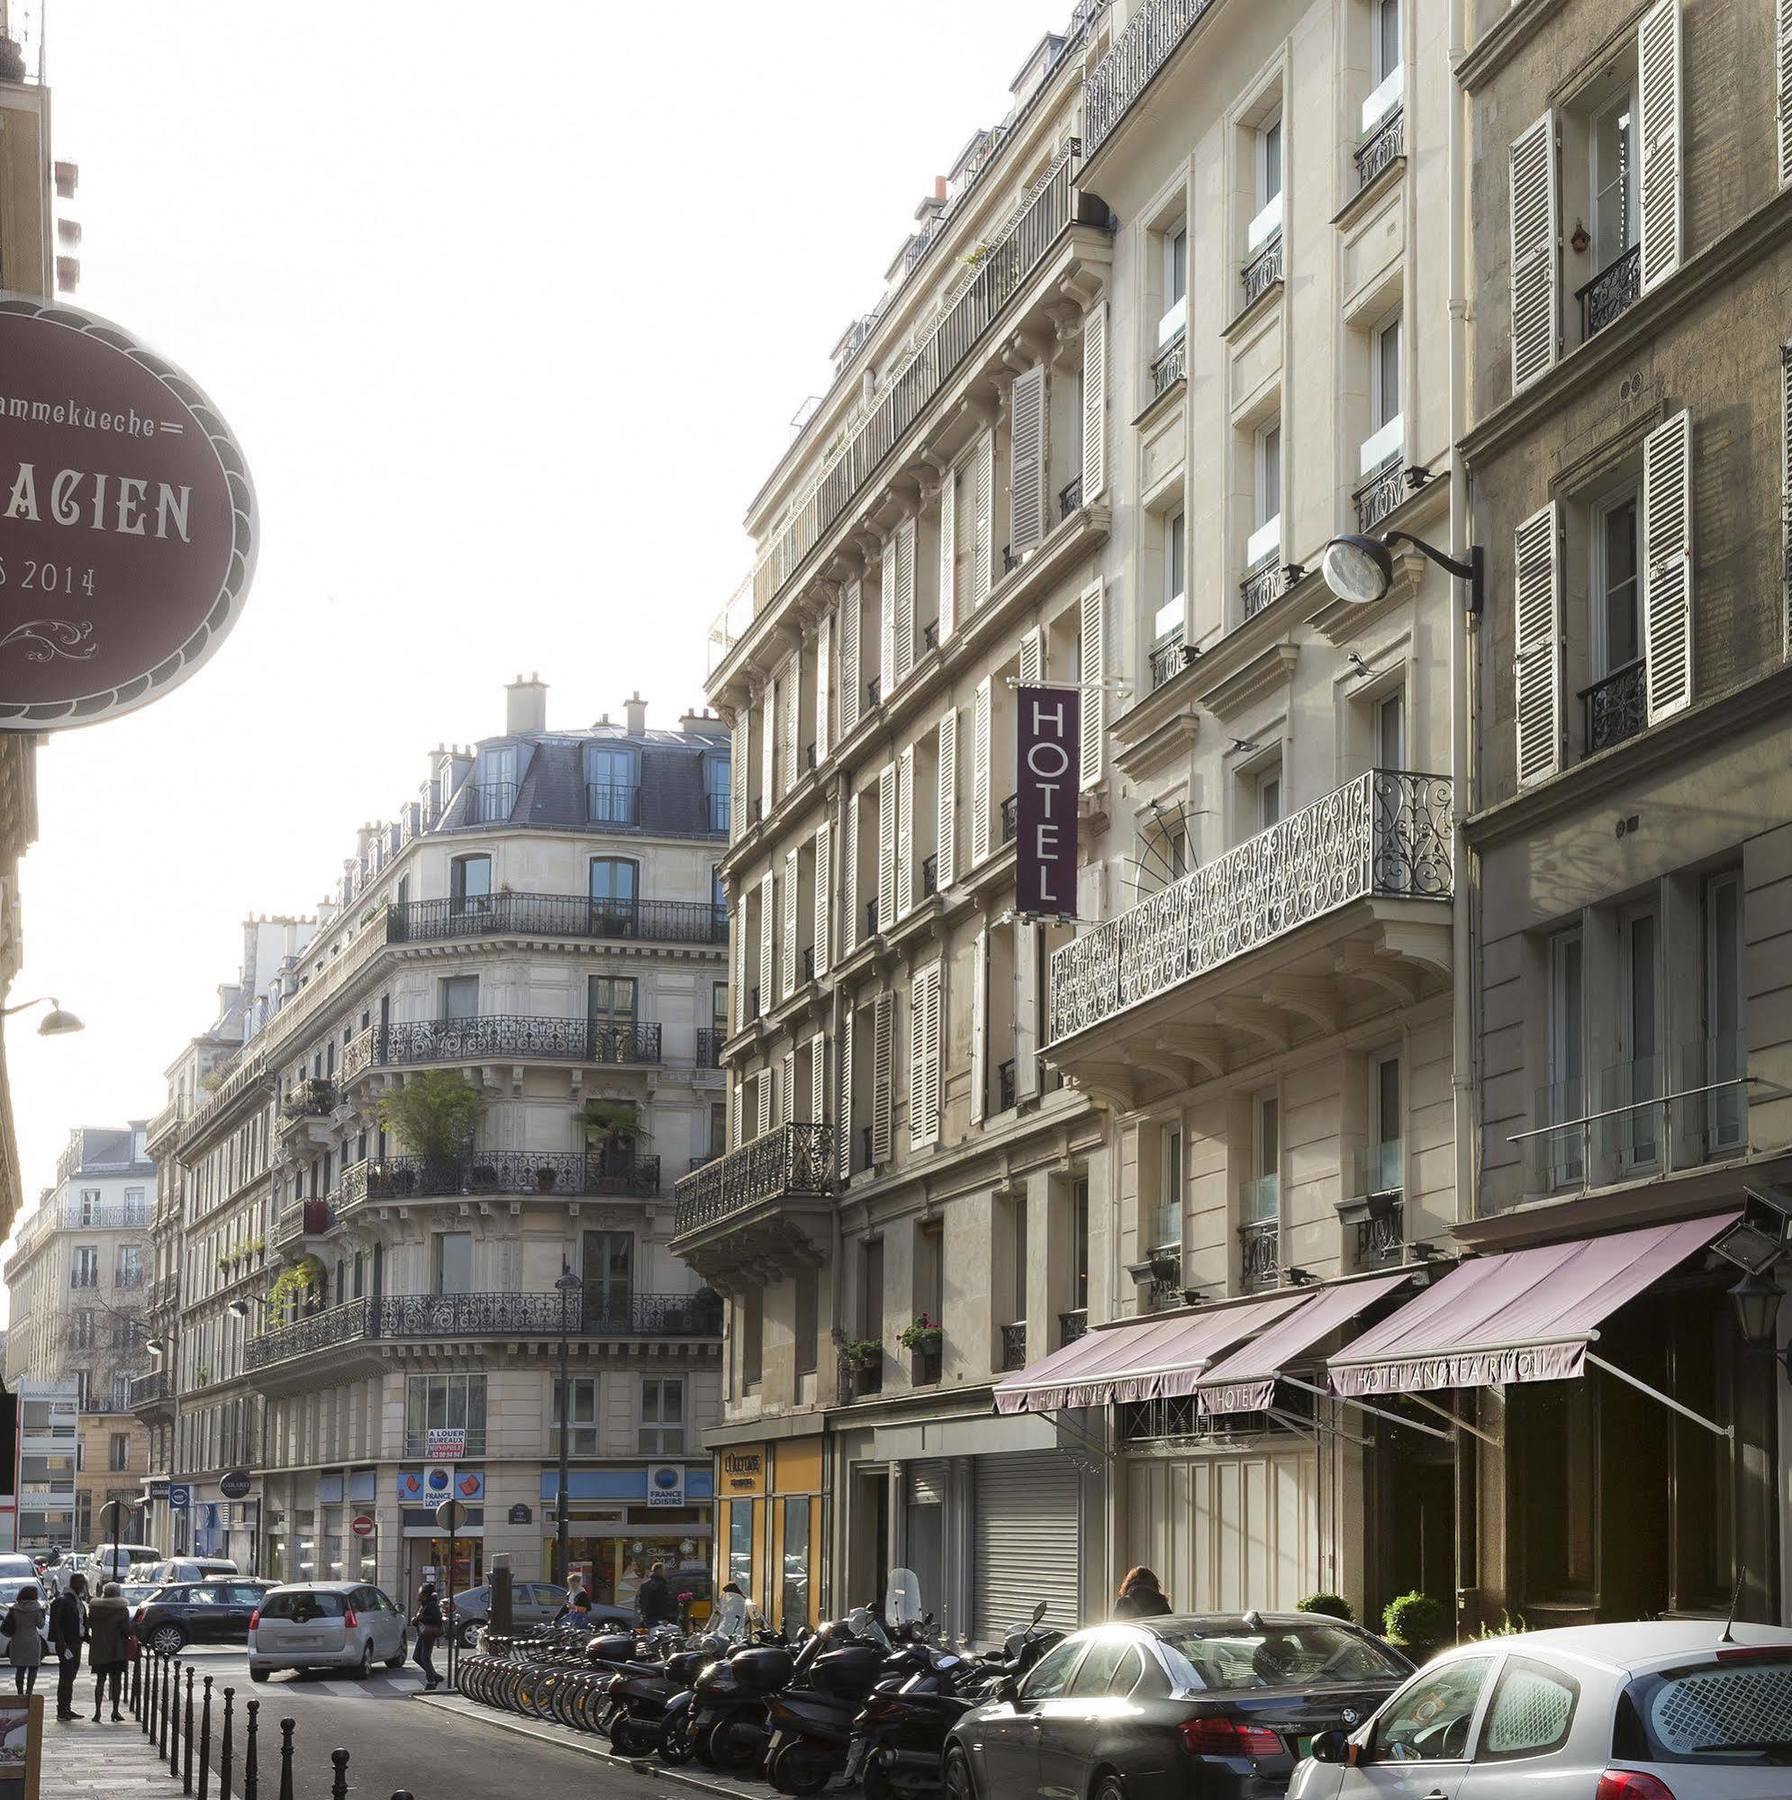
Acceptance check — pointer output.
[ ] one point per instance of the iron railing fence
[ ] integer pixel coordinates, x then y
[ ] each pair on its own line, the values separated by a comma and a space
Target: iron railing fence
789, 1159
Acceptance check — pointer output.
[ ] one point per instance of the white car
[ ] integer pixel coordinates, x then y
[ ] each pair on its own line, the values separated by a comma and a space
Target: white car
325, 1625
1667, 1710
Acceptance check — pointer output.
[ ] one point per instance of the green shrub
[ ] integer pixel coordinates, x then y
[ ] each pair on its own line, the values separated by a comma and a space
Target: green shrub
1333, 1606
1416, 1618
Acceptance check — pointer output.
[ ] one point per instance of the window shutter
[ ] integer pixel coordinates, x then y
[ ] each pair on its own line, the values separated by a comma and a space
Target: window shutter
979, 1008
1032, 656
886, 847
1783, 41
737, 772
849, 879
824, 678
852, 689
787, 986
1094, 694
886, 621
738, 1139
1095, 402
905, 831
1536, 252
768, 923
765, 1101
980, 773
1026, 1009
949, 547
1537, 614
1786, 481
1667, 566
883, 1031
905, 598
790, 690
1026, 489
768, 748
945, 836
843, 1112
737, 924
824, 891
788, 1087
983, 549
818, 1079
1658, 110
917, 1060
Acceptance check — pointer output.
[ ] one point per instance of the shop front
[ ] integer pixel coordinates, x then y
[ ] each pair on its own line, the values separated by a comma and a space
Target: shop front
773, 1526
302, 1527
622, 1520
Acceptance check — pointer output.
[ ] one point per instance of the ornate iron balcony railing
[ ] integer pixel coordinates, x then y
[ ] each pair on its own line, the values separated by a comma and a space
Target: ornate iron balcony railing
1258, 587
612, 803
1263, 271
789, 1160
1170, 365
154, 1389
497, 1172
1014, 1345
1381, 1236
1005, 1086
1379, 149
490, 802
1168, 658
1260, 1253
556, 915
710, 1039
315, 1099
1380, 494
1612, 292
319, 1331
502, 1035
1388, 833
1616, 707
1131, 64
1072, 1325
1070, 497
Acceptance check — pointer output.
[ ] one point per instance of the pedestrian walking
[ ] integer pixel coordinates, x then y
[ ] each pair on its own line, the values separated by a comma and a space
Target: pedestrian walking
427, 1623
108, 1647
1140, 1596
68, 1627
654, 1600
23, 1629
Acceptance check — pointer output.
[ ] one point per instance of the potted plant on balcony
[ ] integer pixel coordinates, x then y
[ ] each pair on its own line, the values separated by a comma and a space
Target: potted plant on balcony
922, 1335
12, 61
297, 1284
860, 1354
614, 1134
435, 1115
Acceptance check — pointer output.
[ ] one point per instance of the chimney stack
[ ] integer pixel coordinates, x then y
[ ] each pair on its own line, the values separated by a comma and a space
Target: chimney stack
525, 706
635, 711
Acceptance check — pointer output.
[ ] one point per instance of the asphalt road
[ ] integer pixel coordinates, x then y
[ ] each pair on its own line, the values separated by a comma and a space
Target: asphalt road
395, 1743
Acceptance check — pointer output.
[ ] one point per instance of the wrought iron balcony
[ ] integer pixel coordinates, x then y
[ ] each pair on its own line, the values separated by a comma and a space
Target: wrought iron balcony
556, 915
789, 1160
1611, 293
1616, 707
930, 876
1258, 587
610, 803
1170, 365
1263, 271
1131, 64
1380, 494
314, 1099
502, 1036
1011, 818
1380, 148
569, 1172
874, 692
1072, 1325
1005, 1088
1381, 1233
1014, 1345
710, 1039
1169, 657
1070, 497
1260, 1253
490, 802
1385, 835
301, 1219
155, 1389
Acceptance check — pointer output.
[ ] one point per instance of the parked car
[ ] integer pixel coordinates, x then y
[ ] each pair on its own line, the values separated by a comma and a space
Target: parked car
1185, 1707
532, 1603
135, 1593
198, 1612
1666, 1710
326, 1625
187, 1568
113, 1561
19, 1568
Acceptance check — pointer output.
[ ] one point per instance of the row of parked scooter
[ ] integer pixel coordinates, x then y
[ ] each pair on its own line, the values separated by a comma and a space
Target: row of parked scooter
870, 1698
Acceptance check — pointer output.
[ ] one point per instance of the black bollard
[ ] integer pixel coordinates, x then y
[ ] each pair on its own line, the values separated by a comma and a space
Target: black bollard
339, 1787
251, 1775
205, 1743
286, 1731
135, 1684
174, 1722
186, 1779
225, 1746
149, 1707
162, 1710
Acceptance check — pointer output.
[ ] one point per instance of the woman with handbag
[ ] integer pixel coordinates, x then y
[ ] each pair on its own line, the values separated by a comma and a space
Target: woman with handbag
110, 1647
23, 1629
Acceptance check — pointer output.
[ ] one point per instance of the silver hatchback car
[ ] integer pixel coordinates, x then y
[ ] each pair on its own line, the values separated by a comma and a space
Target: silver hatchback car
326, 1625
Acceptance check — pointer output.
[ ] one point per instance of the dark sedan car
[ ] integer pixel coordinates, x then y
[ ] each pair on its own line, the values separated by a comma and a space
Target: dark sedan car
199, 1612
1210, 1706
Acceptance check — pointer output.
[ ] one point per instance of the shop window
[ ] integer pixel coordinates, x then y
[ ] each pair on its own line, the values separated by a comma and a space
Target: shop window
793, 1599
662, 1416
582, 1420
1557, 1440
740, 1544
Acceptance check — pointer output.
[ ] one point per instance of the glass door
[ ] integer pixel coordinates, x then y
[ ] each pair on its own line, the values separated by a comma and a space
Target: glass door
608, 1272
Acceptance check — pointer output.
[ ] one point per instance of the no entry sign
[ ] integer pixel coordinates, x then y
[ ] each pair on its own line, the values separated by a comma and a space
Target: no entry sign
362, 1525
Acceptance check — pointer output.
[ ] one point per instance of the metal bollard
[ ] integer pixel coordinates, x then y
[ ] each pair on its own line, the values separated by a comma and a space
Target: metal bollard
205, 1743
186, 1779
286, 1731
251, 1776
163, 1683
339, 1787
225, 1746
149, 1704
174, 1723
136, 1685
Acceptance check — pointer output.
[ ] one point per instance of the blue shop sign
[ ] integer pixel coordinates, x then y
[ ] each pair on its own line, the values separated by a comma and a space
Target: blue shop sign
622, 1484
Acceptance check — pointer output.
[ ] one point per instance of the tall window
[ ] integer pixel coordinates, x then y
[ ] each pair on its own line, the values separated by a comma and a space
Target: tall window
1612, 142
83, 1329
1168, 1226
444, 1403
1617, 592
716, 790
1269, 166
90, 1206
1263, 1197
1390, 730
1175, 314
1269, 797
808, 1315
130, 1266
454, 1262
608, 1271
1385, 29
1638, 1076
458, 997
612, 1000
1384, 376
582, 1420
740, 1544
470, 883
1563, 1099
1269, 473
1079, 1244
615, 887
1723, 1057
135, 1204
494, 796
118, 1451
1387, 1128
1170, 615
752, 1318
662, 1416
612, 785
86, 1270
871, 1289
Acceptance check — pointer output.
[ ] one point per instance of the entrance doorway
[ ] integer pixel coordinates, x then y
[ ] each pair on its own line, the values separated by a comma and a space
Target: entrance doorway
424, 1555
868, 1550
1418, 1524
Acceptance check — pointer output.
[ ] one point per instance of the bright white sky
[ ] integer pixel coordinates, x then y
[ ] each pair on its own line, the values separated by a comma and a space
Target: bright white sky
509, 308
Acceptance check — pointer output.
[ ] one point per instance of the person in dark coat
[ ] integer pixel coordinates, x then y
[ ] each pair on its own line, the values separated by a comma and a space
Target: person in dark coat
1140, 1597
68, 1626
427, 1622
23, 1629
654, 1600
108, 1647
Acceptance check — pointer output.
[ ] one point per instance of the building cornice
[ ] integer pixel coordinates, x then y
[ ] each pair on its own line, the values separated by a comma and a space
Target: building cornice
1503, 41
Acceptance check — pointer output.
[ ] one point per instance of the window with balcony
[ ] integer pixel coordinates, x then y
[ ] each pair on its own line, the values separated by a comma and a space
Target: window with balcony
1613, 702
1601, 167
611, 1001
662, 1416
1167, 625
1266, 221
1169, 362
457, 997
90, 1206
1260, 1210
1380, 456
717, 774
613, 784
470, 883
493, 796
129, 1270
1076, 1319
453, 1258
84, 1270
1262, 551
1167, 1226
615, 888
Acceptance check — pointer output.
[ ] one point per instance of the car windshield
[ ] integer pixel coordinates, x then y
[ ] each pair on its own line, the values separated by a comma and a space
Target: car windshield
302, 1605
1733, 1708
1280, 1654
12, 1587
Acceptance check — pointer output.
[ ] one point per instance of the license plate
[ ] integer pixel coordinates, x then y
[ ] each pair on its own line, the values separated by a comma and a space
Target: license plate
305, 1642
1303, 1746
854, 1760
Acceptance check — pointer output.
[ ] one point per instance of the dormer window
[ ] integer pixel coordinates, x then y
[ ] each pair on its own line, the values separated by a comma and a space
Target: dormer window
612, 785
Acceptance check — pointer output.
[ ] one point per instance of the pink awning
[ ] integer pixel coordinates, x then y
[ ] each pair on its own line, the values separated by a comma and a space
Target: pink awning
1149, 1359
1525, 1316
1245, 1381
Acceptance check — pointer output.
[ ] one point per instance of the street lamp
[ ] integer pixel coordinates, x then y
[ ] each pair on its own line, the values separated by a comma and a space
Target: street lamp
1360, 570
55, 1023
1756, 1298
568, 1285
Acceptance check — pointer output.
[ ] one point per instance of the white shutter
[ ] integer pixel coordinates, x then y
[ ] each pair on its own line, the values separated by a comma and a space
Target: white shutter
818, 1079
765, 1101
768, 926
737, 925
1095, 402
768, 748
979, 1008
905, 831
883, 1046
824, 681
905, 600
737, 771
1658, 110
1535, 203
917, 1057
945, 836
949, 549
1783, 62
886, 847
787, 986
886, 622
980, 773
849, 879
1032, 656
852, 689
790, 687
738, 1117
1667, 566
1026, 1009
1094, 693
824, 893
788, 1087
1537, 616
843, 1112
1026, 488
983, 546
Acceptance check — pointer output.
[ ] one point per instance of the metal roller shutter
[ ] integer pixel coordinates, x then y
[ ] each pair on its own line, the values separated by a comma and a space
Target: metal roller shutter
927, 1482
1026, 1544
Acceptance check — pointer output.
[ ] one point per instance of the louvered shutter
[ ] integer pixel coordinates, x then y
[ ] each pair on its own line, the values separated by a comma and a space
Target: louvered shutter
886, 621
852, 689
849, 879
790, 692
768, 748
1535, 204
1658, 111
765, 1101
1026, 488
737, 772
905, 598
1783, 66
945, 834
1667, 566
737, 926
883, 1048
736, 1097
949, 550
818, 1079
1537, 617
905, 831
824, 684
917, 1057
1032, 656
791, 867
886, 847
824, 894
768, 927
980, 773
843, 1112
787, 1088
983, 548
1095, 402
1786, 484
1094, 693
1026, 1009
979, 1011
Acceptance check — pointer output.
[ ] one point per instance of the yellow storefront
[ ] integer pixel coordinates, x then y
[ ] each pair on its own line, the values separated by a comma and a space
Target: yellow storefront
770, 1536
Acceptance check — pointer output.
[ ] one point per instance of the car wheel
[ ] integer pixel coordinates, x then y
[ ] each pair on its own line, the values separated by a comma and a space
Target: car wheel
1110, 1787
258, 1674
167, 1640
398, 1661
463, 1633
961, 1784
364, 1668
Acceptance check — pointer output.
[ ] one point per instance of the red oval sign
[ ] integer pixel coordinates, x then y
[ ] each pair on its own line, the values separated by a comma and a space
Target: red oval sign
361, 1524
127, 520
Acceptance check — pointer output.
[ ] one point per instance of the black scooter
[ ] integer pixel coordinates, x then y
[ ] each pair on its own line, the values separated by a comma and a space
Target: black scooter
729, 1727
812, 1720
642, 1696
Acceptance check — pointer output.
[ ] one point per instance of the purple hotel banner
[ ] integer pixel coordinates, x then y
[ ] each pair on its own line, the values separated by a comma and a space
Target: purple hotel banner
1045, 761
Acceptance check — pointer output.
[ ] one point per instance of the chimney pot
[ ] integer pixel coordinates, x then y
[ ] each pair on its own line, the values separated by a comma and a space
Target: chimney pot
635, 710
525, 706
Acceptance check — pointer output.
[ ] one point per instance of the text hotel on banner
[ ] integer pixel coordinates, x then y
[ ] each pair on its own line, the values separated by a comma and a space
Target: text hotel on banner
1049, 727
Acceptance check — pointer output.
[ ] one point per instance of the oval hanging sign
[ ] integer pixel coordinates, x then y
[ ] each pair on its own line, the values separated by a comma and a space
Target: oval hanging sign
127, 520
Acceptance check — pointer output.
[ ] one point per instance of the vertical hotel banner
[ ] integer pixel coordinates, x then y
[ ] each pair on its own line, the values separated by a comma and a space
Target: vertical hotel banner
1045, 762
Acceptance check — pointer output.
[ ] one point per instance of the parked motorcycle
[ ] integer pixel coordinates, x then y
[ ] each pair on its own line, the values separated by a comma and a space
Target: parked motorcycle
812, 1719
642, 1695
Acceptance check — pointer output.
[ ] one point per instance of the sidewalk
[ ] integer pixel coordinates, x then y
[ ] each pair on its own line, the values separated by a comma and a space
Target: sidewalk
96, 1762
